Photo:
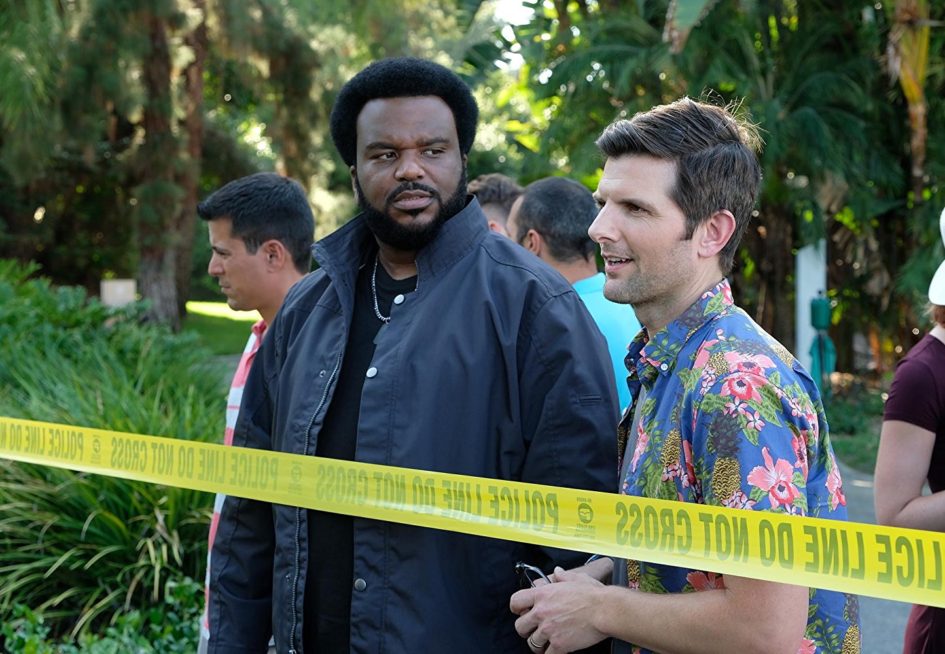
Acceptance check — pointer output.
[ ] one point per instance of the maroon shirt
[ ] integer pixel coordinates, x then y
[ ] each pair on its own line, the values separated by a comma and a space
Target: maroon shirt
917, 396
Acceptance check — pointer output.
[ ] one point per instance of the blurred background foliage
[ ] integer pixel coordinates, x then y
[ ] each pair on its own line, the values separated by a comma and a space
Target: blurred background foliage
116, 116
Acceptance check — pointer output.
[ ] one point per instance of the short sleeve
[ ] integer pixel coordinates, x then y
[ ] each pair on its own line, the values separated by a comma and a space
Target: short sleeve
755, 450
913, 397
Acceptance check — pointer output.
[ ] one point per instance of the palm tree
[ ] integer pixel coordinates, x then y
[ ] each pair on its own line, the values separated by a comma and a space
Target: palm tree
798, 70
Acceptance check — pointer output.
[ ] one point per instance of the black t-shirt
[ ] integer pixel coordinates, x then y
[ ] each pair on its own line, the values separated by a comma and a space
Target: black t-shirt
331, 548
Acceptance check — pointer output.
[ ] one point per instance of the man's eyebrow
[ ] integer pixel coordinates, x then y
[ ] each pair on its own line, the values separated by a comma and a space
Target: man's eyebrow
626, 202
380, 145
436, 140
636, 202
385, 145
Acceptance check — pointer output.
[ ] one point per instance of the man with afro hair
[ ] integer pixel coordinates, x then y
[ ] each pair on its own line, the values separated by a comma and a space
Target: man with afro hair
422, 341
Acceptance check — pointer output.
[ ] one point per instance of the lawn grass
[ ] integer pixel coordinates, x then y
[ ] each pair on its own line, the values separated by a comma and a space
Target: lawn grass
221, 329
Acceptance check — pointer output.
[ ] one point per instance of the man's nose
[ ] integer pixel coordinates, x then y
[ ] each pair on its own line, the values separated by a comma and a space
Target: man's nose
602, 227
215, 268
409, 167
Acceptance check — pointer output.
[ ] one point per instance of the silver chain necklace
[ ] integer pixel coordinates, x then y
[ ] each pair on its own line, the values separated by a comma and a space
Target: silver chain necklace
377, 310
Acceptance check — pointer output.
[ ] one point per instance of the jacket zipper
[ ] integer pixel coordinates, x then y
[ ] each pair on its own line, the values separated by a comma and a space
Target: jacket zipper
298, 513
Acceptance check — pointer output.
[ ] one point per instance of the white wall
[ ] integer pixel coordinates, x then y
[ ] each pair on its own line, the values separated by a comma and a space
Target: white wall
810, 278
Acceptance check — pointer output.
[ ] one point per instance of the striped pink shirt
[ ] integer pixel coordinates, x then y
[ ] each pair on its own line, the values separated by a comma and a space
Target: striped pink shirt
232, 411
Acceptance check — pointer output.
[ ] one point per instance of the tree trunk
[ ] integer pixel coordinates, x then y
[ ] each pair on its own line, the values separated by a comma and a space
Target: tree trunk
157, 196
908, 59
769, 297
156, 284
564, 21
189, 176
781, 238
290, 71
918, 135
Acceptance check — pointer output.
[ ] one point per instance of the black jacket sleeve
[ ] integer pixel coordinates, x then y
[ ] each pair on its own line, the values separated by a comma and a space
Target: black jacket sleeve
241, 565
569, 407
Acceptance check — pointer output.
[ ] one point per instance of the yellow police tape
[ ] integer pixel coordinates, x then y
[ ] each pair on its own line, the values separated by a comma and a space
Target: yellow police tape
897, 564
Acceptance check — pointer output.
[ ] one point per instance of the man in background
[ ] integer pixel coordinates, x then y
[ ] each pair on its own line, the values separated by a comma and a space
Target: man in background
261, 229
550, 220
496, 193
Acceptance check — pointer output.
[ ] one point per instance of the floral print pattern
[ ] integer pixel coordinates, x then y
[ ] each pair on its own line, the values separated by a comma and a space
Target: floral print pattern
730, 418
776, 479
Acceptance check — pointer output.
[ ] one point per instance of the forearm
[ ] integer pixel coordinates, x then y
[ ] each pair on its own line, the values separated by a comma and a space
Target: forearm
723, 620
923, 512
902, 465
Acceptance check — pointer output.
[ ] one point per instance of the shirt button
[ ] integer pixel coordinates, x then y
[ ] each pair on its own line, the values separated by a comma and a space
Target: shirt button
664, 367
360, 584
371, 372
322, 373
399, 299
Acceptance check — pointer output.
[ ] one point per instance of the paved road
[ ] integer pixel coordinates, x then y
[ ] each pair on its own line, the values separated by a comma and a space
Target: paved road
882, 622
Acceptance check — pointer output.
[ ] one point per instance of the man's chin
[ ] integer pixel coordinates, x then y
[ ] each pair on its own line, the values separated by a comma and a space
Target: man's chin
403, 231
417, 219
618, 292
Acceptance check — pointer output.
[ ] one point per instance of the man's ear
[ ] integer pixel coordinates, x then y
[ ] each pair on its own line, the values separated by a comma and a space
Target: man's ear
275, 254
533, 242
353, 171
496, 227
715, 233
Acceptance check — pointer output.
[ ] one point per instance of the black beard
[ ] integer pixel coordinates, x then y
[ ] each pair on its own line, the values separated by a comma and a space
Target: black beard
404, 237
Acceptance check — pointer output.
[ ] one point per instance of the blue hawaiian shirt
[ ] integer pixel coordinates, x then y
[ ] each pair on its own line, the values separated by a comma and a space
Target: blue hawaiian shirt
730, 418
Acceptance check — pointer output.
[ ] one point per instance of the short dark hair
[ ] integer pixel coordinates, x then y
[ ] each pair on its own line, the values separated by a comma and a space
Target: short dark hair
399, 78
715, 155
560, 210
262, 207
497, 189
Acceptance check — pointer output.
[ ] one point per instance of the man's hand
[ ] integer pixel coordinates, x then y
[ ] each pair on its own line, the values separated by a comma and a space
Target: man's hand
599, 568
558, 617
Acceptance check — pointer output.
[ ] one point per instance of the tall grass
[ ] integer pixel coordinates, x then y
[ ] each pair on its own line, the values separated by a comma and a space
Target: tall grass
80, 548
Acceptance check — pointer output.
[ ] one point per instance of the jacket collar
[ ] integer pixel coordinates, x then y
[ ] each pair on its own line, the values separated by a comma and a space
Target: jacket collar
345, 250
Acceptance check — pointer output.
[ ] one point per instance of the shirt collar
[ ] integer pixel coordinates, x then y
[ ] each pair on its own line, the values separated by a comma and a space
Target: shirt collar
652, 355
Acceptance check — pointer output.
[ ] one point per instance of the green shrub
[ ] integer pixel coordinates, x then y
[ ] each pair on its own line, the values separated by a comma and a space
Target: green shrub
81, 549
172, 626
855, 415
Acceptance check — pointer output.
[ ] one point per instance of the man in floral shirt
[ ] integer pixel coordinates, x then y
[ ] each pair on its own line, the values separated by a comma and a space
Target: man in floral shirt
723, 414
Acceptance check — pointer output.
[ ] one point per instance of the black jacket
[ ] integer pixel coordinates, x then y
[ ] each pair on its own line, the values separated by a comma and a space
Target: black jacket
492, 367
